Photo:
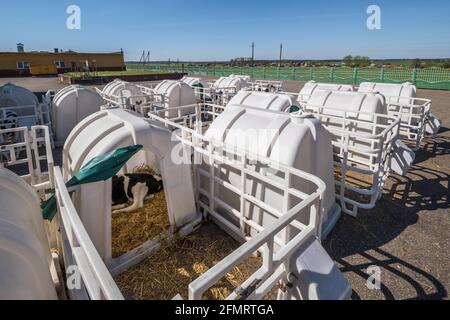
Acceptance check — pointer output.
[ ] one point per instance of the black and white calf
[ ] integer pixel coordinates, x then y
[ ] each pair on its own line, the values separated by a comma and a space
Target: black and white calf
136, 187
8, 120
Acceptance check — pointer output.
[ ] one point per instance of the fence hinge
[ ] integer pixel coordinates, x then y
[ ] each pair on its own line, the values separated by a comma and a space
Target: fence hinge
243, 294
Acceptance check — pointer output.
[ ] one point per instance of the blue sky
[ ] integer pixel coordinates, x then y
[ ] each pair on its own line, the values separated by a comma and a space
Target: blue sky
224, 29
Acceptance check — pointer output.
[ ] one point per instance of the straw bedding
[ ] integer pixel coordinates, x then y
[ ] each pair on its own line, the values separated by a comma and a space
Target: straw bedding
130, 230
355, 179
169, 271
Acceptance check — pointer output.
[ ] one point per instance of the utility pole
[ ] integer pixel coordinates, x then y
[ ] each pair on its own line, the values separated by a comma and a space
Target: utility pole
281, 55
253, 54
147, 58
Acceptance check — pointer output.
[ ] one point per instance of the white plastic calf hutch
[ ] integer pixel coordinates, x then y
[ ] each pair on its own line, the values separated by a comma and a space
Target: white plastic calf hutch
166, 95
365, 140
195, 82
266, 101
401, 100
106, 131
299, 142
25, 258
171, 94
71, 105
248, 190
226, 87
310, 87
202, 89
230, 84
25, 263
124, 93
22, 107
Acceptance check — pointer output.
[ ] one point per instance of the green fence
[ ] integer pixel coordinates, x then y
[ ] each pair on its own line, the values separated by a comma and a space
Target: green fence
432, 78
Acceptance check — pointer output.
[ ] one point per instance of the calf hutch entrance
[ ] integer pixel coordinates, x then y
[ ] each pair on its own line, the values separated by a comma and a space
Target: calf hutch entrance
174, 208
238, 254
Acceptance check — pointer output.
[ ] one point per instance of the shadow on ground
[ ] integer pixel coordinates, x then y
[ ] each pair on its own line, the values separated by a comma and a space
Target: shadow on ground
382, 237
433, 147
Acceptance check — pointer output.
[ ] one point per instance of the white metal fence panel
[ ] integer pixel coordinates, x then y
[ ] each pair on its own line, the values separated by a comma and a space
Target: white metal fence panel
79, 253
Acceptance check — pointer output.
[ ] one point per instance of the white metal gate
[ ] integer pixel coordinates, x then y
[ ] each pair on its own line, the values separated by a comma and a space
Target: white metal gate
88, 277
31, 148
363, 144
413, 114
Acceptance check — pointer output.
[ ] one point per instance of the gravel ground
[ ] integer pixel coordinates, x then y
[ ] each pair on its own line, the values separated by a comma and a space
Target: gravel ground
407, 235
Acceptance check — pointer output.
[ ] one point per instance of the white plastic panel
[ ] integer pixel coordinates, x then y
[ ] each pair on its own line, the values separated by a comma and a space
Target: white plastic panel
13, 96
388, 90
311, 87
70, 106
172, 94
229, 83
263, 100
24, 249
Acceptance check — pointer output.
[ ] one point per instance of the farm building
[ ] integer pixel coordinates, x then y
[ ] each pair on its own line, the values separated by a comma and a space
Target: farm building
22, 63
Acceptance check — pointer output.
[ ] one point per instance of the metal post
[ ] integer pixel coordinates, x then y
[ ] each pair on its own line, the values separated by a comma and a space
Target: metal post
281, 54
253, 54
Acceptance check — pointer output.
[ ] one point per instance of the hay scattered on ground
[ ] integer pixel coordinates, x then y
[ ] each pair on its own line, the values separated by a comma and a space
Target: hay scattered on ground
143, 168
130, 230
355, 179
169, 271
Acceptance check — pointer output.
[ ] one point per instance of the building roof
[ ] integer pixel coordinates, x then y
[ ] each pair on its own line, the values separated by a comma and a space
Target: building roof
59, 53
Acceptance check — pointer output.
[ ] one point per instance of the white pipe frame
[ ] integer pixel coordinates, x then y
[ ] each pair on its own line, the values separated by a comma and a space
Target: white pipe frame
30, 142
373, 161
79, 252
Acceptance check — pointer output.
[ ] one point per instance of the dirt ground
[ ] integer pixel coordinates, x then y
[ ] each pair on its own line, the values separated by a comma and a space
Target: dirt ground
407, 235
